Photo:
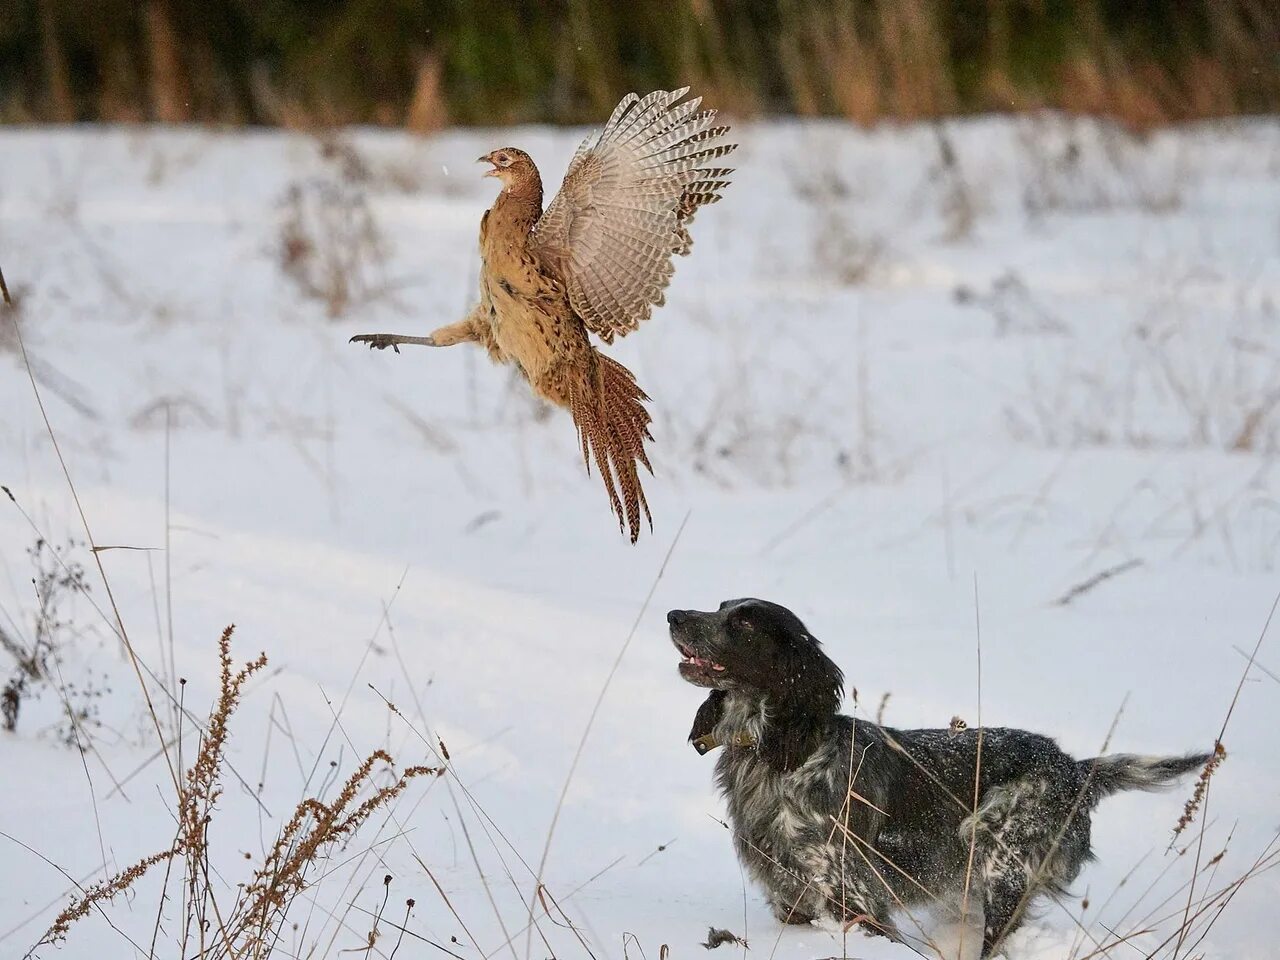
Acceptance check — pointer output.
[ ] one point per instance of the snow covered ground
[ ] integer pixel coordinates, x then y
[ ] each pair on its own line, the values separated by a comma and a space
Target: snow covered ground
890, 392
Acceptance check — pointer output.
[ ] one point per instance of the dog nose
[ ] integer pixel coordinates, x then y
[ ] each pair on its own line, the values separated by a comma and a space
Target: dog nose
677, 617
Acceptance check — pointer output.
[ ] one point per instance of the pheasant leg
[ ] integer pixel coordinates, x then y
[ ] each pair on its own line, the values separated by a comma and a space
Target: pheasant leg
462, 332
380, 341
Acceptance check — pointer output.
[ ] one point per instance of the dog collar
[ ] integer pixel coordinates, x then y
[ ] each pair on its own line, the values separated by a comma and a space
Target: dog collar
708, 742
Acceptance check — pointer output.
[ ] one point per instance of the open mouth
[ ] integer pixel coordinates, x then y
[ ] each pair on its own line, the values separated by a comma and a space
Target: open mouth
690, 662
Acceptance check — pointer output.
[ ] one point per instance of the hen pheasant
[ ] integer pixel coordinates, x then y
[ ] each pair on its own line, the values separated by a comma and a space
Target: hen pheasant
597, 260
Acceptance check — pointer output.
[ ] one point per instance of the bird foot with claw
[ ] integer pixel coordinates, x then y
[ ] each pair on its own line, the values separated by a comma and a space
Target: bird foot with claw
380, 341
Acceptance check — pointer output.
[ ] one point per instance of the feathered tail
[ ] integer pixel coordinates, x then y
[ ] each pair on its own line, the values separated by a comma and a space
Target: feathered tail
608, 409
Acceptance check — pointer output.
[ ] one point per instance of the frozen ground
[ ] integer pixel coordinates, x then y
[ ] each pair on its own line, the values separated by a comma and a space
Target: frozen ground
883, 385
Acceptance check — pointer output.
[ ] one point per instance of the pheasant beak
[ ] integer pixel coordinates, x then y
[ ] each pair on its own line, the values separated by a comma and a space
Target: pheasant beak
488, 158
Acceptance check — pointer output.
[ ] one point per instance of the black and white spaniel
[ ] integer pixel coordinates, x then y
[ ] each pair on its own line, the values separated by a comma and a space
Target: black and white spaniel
843, 819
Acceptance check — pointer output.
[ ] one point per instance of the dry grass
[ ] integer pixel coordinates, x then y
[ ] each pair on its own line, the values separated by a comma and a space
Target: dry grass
1077, 165
330, 244
250, 925
887, 61
1177, 377
428, 110
39, 652
1013, 307
842, 250
170, 91
866, 60
958, 206
1196, 800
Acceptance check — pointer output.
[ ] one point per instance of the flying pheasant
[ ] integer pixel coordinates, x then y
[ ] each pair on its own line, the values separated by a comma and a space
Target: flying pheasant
597, 260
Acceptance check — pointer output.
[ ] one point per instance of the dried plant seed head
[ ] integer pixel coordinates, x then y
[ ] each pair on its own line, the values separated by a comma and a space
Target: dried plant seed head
884, 702
1202, 785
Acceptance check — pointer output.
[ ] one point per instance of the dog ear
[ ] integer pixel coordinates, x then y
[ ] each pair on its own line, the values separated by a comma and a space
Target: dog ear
705, 721
801, 709
792, 736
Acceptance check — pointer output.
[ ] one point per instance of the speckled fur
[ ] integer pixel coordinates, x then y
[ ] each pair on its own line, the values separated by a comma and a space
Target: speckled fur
902, 844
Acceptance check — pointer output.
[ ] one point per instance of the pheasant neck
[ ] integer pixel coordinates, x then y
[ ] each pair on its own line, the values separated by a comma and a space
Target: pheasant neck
520, 203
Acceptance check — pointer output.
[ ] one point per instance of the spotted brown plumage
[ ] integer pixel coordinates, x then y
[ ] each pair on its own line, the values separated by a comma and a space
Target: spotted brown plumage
596, 261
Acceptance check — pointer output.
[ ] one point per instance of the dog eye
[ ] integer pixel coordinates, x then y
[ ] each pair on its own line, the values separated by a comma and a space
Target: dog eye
740, 621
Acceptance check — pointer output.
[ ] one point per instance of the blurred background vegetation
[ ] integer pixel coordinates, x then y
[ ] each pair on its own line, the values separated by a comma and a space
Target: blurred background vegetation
425, 64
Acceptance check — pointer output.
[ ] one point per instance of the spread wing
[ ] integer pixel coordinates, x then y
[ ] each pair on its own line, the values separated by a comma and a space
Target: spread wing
624, 208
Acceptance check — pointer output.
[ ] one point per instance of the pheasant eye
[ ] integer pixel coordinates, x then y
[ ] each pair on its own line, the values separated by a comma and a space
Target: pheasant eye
504, 159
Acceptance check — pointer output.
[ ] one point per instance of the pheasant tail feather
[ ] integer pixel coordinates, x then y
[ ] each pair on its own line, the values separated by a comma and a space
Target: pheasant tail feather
608, 409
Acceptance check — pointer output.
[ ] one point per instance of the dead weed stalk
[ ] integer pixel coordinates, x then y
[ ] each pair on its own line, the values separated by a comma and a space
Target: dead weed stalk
250, 925
1202, 784
36, 661
330, 244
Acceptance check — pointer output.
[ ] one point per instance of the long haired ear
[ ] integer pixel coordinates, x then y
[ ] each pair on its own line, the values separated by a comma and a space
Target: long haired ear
801, 706
705, 721
811, 677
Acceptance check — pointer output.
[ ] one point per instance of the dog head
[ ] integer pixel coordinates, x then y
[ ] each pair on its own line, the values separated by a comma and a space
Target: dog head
760, 654
753, 647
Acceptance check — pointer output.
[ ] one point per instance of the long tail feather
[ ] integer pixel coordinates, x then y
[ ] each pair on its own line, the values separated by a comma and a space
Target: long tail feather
608, 409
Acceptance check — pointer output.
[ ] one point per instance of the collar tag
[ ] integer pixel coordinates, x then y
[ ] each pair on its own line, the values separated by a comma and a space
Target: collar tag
708, 742
705, 744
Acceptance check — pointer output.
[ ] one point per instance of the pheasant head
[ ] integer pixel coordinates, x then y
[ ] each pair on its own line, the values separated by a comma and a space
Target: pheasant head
515, 169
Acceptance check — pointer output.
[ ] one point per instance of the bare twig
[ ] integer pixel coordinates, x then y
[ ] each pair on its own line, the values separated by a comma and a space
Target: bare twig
1099, 578
134, 659
977, 773
582, 743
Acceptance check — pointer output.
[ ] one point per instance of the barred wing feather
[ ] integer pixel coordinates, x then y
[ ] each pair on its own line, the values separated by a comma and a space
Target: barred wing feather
624, 208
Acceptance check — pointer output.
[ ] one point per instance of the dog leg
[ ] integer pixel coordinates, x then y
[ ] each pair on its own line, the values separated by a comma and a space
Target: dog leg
1003, 904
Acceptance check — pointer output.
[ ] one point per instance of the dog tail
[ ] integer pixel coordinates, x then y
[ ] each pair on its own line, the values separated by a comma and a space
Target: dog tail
1127, 771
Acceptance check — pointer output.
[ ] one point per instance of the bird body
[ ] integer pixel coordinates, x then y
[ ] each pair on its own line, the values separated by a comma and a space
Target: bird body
527, 308
597, 260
